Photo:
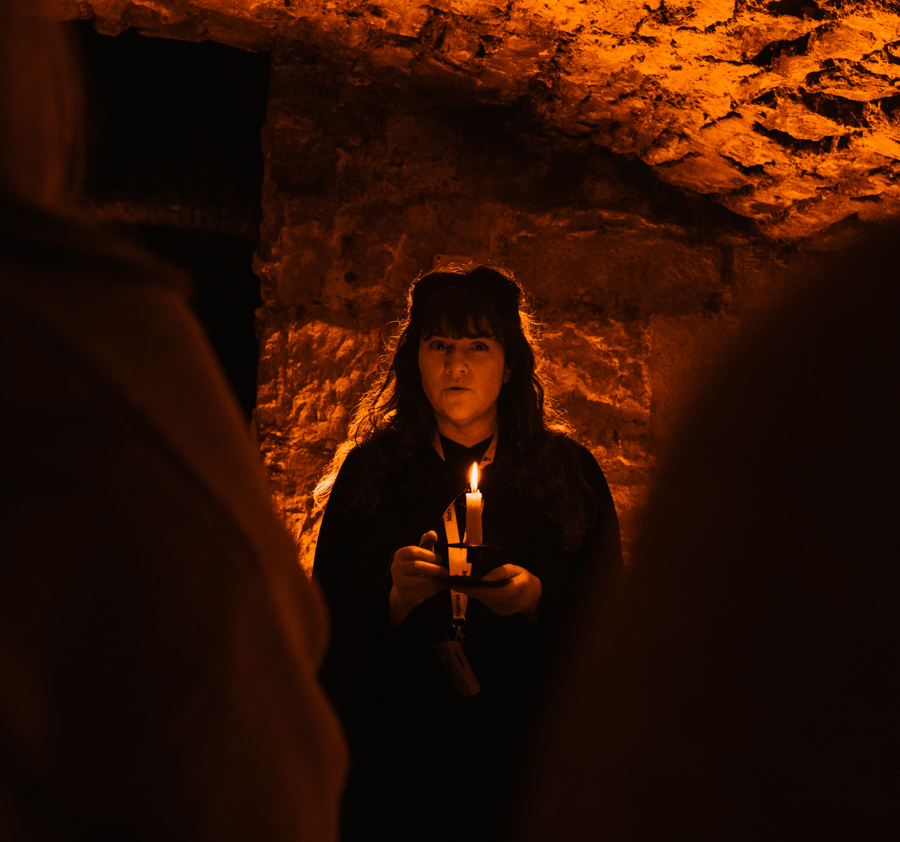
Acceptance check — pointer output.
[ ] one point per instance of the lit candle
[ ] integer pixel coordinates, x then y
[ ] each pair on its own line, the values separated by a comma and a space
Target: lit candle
474, 508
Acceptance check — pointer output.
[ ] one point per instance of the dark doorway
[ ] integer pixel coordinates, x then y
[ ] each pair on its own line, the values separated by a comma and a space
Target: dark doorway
175, 164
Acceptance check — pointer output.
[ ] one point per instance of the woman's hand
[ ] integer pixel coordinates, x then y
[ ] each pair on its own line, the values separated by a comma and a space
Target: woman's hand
413, 572
520, 595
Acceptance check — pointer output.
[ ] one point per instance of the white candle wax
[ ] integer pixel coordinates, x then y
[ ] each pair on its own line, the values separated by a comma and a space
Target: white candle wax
474, 508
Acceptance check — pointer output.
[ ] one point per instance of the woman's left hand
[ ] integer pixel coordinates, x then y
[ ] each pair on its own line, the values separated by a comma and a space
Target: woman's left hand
520, 595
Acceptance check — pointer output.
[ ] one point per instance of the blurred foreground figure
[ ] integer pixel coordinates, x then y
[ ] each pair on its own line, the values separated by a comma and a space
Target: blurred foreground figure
158, 641
745, 686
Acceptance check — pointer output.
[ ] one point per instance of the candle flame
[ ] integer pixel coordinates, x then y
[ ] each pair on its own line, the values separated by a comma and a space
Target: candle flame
473, 477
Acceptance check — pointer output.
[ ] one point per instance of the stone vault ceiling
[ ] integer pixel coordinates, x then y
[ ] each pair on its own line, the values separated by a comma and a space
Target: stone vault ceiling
787, 112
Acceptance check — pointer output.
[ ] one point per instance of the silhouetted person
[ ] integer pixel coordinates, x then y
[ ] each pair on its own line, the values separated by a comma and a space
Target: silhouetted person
744, 683
431, 760
158, 640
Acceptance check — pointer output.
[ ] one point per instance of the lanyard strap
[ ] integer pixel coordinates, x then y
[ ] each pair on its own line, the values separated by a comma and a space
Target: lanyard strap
456, 556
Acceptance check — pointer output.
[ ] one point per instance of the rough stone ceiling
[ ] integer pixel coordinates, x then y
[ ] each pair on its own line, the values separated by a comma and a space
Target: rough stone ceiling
786, 112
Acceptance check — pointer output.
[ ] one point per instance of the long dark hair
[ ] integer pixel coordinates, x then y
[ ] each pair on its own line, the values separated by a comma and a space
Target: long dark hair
394, 418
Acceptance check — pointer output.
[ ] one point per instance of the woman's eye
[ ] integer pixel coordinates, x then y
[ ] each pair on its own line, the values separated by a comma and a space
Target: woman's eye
437, 346
480, 346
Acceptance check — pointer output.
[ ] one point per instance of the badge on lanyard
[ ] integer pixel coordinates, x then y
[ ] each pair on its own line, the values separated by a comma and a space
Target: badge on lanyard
457, 666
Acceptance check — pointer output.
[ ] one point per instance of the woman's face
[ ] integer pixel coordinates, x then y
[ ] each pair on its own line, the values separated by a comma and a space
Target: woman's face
462, 378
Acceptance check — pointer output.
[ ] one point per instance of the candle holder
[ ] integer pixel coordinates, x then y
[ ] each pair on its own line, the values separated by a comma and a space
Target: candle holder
482, 557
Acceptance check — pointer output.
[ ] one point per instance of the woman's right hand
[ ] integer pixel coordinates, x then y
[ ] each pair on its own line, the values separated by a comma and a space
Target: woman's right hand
414, 571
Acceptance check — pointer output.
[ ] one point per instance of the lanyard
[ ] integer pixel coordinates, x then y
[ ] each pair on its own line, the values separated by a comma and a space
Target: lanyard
456, 556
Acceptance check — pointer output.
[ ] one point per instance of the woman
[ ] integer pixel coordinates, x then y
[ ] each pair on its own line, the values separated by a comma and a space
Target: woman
435, 755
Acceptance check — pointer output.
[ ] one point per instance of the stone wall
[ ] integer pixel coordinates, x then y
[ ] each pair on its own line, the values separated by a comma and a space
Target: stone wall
634, 281
784, 111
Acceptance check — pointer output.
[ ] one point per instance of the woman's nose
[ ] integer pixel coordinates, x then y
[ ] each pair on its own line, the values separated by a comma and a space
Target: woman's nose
455, 361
